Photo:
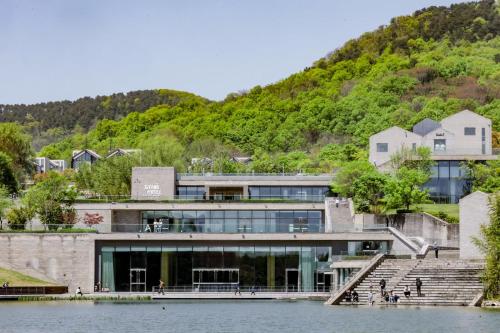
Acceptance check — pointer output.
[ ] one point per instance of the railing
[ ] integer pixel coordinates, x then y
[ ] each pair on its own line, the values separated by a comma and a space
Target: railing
231, 288
252, 174
42, 290
203, 198
216, 228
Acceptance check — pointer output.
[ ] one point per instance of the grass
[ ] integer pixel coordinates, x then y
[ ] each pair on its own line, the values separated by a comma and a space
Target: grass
17, 279
449, 209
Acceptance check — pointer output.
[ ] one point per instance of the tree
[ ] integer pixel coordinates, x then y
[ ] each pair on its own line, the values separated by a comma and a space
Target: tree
5, 203
489, 244
17, 145
484, 177
52, 199
418, 159
368, 190
344, 179
92, 219
17, 218
7, 176
404, 189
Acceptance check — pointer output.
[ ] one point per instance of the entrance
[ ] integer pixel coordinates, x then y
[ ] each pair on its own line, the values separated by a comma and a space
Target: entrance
292, 280
323, 281
137, 280
215, 279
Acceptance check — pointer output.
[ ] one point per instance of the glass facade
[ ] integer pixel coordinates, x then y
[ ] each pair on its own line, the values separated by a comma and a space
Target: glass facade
215, 268
230, 221
190, 192
448, 182
306, 193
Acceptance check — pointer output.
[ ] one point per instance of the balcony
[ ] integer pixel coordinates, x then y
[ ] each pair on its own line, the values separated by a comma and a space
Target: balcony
198, 198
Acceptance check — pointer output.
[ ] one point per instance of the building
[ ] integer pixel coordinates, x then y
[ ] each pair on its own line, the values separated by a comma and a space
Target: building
463, 136
85, 156
199, 232
44, 164
122, 152
474, 212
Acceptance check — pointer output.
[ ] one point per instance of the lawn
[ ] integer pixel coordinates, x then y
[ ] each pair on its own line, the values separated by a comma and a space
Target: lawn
17, 279
449, 209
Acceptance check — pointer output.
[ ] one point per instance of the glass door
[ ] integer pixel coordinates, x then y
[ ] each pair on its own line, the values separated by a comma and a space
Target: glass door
292, 280
323, 281
137, 280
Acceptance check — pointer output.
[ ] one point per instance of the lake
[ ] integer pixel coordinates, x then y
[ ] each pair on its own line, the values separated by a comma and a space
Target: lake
238, 316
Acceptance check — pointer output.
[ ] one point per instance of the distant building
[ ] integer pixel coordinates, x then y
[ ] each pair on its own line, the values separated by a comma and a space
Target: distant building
83, 156
241, 159
122, 152
463, 136
44, 164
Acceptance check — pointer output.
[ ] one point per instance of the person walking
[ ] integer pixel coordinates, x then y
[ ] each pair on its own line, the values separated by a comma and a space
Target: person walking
161, 288
237, 290
418, 283
435, 247
252, 290
79, 291
382, 287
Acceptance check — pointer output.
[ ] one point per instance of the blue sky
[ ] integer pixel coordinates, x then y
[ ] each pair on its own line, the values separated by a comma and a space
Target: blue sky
66, 49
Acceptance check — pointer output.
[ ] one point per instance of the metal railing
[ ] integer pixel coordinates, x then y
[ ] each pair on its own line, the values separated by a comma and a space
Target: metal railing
205, 198
216, 228
231, 288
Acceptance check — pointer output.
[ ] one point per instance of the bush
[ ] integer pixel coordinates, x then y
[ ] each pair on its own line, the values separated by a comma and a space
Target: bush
17, 218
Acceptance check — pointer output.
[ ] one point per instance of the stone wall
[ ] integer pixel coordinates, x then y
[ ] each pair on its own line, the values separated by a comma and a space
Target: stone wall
66, 259
474, 211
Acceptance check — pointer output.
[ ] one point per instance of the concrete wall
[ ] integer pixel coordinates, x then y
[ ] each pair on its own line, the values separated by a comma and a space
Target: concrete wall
153, 183
67, 259
474, 211
422, 225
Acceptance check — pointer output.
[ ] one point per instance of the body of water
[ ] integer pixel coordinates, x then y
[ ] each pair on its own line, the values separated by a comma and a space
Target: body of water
238, 316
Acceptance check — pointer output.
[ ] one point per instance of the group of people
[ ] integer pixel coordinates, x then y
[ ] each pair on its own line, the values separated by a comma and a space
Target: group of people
237, 290
157, 226
352, 296
391, 296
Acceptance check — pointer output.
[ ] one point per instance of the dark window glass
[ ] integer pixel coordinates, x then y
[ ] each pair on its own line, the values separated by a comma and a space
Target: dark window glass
469, 131
382, 147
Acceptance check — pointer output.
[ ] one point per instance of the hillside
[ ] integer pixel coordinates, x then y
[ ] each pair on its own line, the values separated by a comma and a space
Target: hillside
430, 64
53, 120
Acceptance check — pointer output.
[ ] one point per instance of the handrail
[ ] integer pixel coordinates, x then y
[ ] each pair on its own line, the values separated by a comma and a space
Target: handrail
337, 297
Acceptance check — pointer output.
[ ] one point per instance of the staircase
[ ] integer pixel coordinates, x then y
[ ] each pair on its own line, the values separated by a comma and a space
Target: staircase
391, 270
444, 281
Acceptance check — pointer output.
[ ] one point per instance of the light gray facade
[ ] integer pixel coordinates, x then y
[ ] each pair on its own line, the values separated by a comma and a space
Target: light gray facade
474, 212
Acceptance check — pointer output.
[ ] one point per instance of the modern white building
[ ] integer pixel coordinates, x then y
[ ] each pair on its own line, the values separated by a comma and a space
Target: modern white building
44, 164
463, 136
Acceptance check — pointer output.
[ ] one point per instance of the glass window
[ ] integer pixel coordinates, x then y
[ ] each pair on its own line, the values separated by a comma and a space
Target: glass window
469, 131
444, 169
439, 144
382, 147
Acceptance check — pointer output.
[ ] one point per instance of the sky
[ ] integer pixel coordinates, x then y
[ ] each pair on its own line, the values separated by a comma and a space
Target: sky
65, 49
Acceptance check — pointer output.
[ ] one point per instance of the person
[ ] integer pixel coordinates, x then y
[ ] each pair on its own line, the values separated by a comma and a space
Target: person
418, 283
237, 290
355, 296
337, 201
382, 287
97, 286
161, 288
79, 291
348, 296
155, 225
407, 291
435, 247
252, 290
147, 228
395, 298
370, 298
5, 284
385, 296
160, 225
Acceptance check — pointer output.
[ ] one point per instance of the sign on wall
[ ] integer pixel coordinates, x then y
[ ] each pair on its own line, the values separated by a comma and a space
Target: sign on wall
152, 190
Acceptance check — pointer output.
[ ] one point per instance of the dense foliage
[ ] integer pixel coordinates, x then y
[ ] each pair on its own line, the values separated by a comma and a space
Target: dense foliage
431, 64
51, 121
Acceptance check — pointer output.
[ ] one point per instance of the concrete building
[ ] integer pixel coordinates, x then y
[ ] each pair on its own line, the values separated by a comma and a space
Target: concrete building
474, 212
44, 164
85, 156
463, 136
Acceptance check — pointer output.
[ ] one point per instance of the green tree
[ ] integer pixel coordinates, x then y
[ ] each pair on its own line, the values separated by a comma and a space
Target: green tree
7, 177
489, 244
5, 203
404, 189
345, 177
418, 159
17, 218
368, 191
17, 145
52, 199
484, 177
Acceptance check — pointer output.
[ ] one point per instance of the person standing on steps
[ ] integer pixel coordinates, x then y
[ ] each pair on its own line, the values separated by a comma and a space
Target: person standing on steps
370, 298
337, 201
382, 287
407, 291
418, 283
435, 247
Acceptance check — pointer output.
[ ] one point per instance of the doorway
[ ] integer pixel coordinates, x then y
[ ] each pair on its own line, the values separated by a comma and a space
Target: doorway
323, 281
292, 278
137, 280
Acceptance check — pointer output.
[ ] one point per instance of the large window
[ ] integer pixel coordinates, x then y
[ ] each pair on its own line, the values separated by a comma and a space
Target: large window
305, 193
448, 182
439, 144
191, 192
469, 131
232, 221
382, 147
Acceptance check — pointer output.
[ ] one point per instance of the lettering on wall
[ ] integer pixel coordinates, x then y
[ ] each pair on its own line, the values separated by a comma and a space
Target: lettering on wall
152, 190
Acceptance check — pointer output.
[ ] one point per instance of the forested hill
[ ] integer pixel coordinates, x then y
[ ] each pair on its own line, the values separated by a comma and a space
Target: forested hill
62, 117
433, 63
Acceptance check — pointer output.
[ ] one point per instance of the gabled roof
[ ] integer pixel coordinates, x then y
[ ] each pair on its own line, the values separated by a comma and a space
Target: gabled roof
465, 112
397, 128
121, 152
425, 126
78, 153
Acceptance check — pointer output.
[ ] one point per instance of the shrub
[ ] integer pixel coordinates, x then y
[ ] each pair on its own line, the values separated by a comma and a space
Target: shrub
17, 218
